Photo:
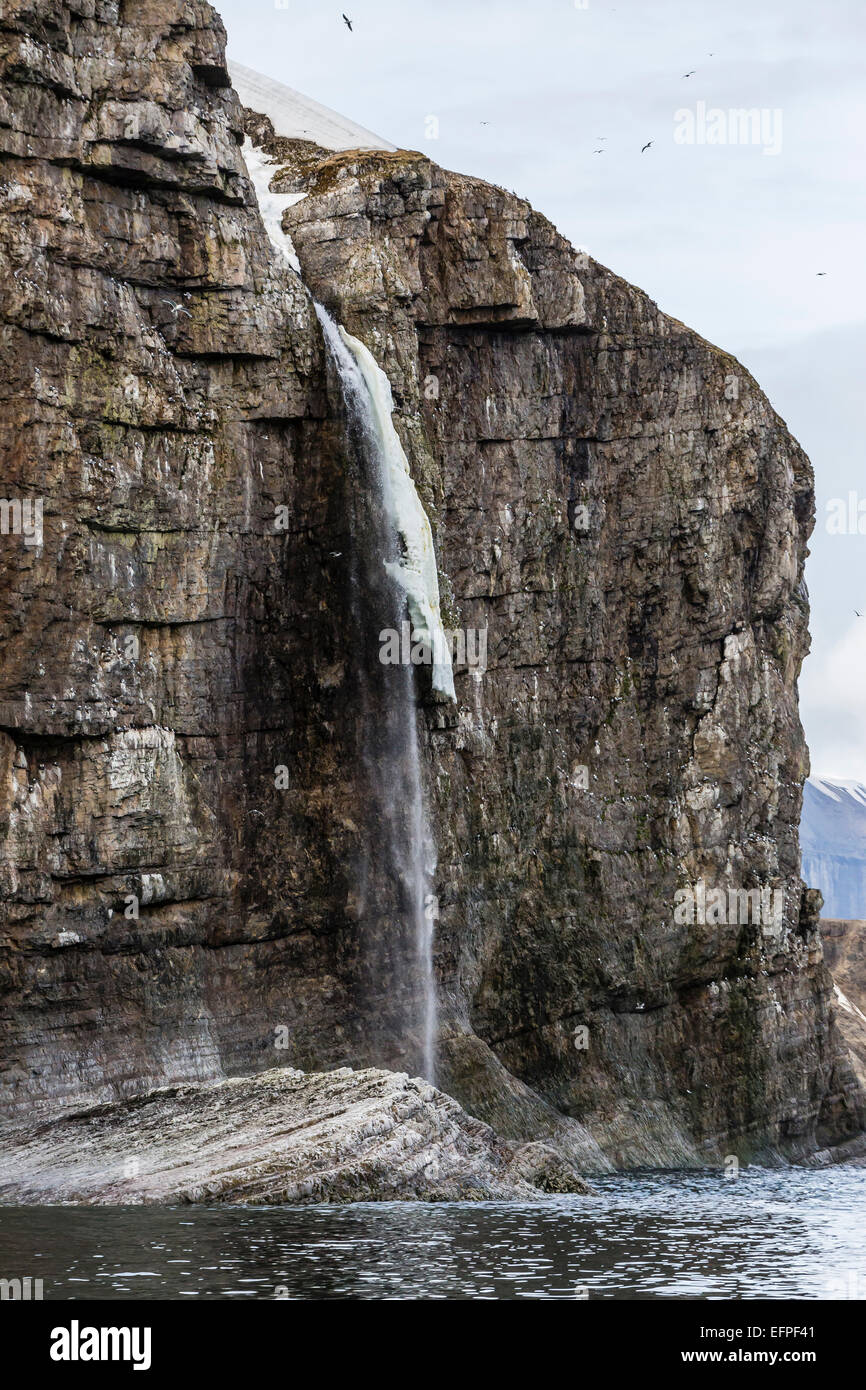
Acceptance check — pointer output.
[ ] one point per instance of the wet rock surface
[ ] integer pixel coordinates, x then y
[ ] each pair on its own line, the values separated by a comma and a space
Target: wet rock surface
183, 808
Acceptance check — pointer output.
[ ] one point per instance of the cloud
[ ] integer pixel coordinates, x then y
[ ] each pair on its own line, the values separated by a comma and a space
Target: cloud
832, 706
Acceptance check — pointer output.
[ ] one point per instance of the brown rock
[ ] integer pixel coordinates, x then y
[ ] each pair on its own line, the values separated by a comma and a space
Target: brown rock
280, 1137
614, 501
845, 954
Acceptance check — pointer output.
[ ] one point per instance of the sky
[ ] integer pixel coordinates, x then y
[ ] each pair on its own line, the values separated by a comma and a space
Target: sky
757, 242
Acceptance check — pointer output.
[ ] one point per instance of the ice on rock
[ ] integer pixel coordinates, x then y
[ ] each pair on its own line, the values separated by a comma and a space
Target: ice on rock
416, 571
271, 205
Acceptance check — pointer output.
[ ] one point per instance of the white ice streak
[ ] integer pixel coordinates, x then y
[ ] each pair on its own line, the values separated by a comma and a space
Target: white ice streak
415, 571
271, 205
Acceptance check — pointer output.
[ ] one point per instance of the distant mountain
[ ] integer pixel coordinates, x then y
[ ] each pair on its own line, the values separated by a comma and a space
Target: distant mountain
833, 843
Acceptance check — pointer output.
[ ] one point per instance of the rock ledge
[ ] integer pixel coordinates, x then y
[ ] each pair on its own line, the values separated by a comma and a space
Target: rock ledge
282, 1136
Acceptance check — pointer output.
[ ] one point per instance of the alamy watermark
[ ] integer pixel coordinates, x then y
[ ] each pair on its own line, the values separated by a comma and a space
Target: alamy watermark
464, 646
77, 1343
716, 125
702, 906
849, 1283
846, 516
20, 1290
22, 517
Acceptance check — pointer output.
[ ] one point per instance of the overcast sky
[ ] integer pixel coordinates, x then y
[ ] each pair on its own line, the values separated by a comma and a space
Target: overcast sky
727, 237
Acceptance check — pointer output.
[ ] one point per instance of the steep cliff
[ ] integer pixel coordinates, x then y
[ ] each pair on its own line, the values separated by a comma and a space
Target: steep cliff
190, 866
845, 953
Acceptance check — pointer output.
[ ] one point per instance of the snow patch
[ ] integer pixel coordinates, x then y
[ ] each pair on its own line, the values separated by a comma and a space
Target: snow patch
845, 1003
271, 205
66, 938
834, 790
298, 117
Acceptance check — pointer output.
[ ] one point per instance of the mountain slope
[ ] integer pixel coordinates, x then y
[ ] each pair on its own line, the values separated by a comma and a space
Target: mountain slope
833, 842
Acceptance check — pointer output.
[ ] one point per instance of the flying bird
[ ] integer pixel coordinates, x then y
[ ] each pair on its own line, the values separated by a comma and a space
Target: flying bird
690, 74
820, 272
348, 23
646, 146
176, 308
598, 151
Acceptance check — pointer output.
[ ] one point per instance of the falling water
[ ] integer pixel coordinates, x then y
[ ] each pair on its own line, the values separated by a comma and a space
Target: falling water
398, 533
392, 528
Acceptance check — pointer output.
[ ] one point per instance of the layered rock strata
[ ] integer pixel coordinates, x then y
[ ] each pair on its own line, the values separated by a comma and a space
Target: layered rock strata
187, 890
282, 1136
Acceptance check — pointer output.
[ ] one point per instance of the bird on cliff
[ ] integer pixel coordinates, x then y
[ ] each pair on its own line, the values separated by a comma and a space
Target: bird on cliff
646, 146
348, 23
176, 308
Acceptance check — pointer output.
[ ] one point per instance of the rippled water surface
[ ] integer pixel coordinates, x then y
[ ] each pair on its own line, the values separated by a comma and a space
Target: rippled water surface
766, 1234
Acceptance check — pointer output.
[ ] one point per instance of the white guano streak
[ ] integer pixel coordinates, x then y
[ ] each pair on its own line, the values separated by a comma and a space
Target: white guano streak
416, 571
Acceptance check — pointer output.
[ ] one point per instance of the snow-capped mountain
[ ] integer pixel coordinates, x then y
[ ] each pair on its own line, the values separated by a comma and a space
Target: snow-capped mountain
833, 843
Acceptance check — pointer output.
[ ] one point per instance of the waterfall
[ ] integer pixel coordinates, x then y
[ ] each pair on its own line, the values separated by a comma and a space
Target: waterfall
415, 569
399, 562
402, 549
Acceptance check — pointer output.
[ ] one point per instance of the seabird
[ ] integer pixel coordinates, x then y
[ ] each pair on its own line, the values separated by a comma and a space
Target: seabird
820, 272
176, 308
347, 21
690, 74
646, 146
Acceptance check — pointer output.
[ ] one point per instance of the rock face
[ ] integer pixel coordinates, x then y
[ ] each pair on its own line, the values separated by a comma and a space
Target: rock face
184, 811
833, 840
282, 1136
624, 514
845, 954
